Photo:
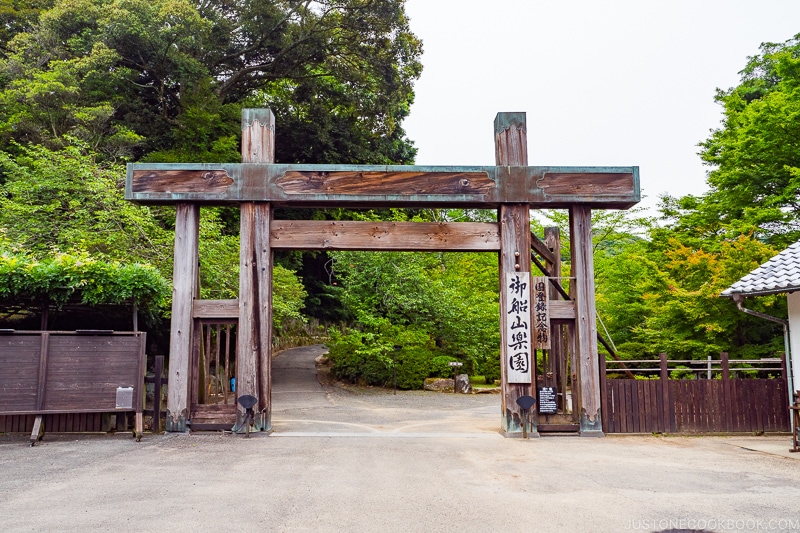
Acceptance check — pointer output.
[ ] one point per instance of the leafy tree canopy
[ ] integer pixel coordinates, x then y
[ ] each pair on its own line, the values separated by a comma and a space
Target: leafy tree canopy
169, 77
754, 156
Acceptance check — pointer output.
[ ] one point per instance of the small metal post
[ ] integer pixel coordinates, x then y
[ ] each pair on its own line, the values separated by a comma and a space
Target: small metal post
397, 348
158, 369
708, 372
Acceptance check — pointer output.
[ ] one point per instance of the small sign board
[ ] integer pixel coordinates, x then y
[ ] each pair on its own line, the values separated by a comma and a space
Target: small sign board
455, 363
124, 398
517, 350
548, 400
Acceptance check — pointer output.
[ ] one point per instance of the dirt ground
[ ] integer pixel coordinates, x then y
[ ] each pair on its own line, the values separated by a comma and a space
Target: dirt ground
366, 460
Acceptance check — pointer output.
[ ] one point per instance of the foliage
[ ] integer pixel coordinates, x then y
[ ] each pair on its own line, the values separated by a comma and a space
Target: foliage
79, 278
288, 298
65, 201
453, 297
440, 366
673, 278
166, 79
18, 16
369, 357
436, 307
667, 298
657, 289
754, 157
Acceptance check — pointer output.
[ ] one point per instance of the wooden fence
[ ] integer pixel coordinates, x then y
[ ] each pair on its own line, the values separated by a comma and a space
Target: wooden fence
70, 381
724, 405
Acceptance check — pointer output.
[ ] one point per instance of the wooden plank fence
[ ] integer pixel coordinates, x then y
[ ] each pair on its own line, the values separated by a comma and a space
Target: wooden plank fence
726, 405
70, 381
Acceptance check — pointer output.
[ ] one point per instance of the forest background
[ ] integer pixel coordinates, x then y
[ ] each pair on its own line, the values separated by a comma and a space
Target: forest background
89, 85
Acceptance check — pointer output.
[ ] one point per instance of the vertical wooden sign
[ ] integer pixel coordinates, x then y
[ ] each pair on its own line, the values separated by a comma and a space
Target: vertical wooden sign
518, 330
541, 314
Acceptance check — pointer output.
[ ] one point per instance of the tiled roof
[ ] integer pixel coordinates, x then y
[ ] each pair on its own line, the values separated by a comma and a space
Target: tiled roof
779, 274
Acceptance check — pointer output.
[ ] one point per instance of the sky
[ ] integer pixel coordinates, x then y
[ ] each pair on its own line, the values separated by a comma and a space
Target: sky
603, 83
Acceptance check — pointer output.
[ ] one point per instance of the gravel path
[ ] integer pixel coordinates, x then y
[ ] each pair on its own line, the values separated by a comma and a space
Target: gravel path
367, 460
303, 406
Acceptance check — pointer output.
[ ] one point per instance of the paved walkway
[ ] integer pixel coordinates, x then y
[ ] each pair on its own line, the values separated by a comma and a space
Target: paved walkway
304, 407
372, 461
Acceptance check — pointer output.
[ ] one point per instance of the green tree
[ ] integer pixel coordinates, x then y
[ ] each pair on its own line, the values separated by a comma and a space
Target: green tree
754, 157
17, 16
65, 201
168, 77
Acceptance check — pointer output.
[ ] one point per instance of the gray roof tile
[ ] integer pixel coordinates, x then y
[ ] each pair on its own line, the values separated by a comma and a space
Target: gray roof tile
779, 274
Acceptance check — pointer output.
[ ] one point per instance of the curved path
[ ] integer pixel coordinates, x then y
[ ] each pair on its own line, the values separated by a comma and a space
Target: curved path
301, 405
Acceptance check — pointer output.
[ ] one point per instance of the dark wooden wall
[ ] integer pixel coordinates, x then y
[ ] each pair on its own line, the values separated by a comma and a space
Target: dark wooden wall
66, 373
62, 423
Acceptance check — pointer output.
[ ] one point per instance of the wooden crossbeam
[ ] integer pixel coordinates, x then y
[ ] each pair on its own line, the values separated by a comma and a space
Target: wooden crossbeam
541, 248
386, 236
383, 186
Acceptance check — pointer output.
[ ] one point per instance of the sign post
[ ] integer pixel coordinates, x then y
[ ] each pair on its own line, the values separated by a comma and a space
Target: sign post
456, 365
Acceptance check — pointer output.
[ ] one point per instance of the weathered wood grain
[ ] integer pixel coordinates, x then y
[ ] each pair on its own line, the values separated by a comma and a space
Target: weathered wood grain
586, 322
184, 285
254, 348
394, 183
383, 186
397, 236
69, 373
515, 257
258, 136
181, 181
511, 139
596, 184
247, 347
263, 270
558, 351
19, 372
215, 308
543, 250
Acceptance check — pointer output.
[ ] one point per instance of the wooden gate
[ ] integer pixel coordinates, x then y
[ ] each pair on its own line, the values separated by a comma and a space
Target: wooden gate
213, 399
212, 396
258, 185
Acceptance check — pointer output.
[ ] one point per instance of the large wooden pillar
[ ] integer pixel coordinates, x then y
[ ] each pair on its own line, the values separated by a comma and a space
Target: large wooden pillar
254, 336
515, 258
184, 286
580, 222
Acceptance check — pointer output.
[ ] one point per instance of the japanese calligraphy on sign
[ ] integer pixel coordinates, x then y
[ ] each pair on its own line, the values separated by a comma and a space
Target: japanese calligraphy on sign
541, 314
518, 330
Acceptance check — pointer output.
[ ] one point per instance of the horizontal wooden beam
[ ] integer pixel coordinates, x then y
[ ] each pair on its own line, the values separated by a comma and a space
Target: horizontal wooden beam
562, 310
383, 186
215, 309
386, 236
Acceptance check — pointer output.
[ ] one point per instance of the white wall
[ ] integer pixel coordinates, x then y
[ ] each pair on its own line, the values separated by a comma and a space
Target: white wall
794, 336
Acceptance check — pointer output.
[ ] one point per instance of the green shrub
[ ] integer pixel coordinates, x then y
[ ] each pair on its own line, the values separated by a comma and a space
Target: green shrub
369, 357
359, 357
491, 368
413, 366
440, 366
